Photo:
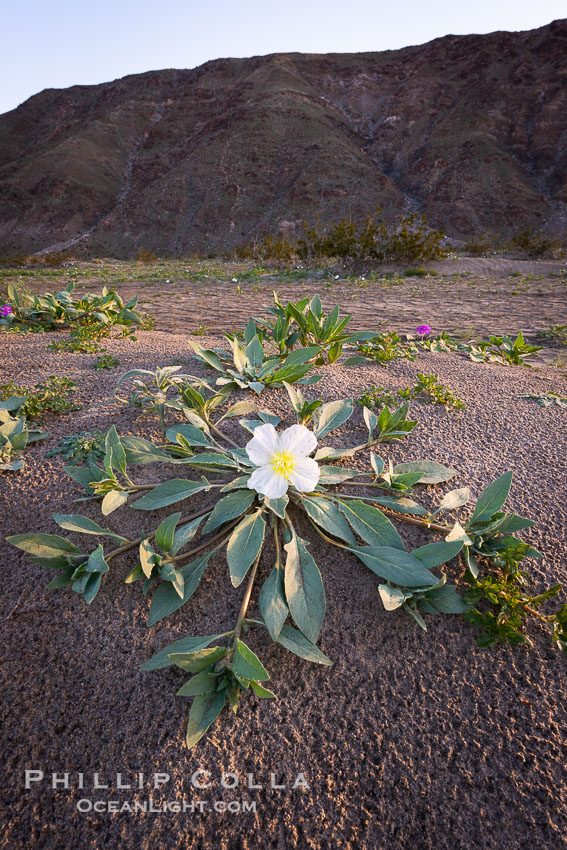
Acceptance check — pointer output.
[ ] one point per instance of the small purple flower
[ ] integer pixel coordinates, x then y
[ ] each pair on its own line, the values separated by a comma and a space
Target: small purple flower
423, 330
5, 310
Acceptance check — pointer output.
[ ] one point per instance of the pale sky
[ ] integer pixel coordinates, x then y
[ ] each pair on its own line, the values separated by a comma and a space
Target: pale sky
67, 42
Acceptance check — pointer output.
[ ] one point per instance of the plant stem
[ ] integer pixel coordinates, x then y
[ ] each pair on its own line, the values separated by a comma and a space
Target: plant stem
246, 599
222, 435
420, 523
208, 543
138, 540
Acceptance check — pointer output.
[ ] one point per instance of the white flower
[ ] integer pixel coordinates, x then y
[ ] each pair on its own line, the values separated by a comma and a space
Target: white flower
282, 459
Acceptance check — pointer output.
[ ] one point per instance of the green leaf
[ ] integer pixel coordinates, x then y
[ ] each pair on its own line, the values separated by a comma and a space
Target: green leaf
165, 532
377, 463
113, 444
96, 562
193, 435
458, 533
272, 603
277, 506
166, 600
212, 460
304, 590
296, 642
82, 475
446, 600
244, 545
395, 566
202, 683
392, 597
370, 419
64, 579
92, 587
491, 500
203, 713
328, 453
241, 408
327, 515
174, 490
433, 473
187, 644
42, 545
336, 474
210, 358
113, 500
403, 505
261, 692
454, 499
247, 664
254, 354
198, 660
331, 415
512, 523
371, 524
84, 525
185, 534
435, 554
147, 557
229, 507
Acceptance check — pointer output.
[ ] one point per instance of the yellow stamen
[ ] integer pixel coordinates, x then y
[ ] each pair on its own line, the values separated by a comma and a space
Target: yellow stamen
283, 464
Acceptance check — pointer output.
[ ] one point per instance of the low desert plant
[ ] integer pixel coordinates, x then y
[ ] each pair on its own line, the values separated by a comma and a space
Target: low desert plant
303, 323
531, 243
259, 492
426, 388
251, 368
106, 361
15, 435
58, 311
50, 396
85, 447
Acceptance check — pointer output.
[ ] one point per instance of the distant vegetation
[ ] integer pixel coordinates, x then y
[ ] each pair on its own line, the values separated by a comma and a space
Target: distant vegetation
524, 242
373, 242
409, 238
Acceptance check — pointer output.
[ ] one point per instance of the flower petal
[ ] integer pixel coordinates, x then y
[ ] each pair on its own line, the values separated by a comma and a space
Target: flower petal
297, 440
263, 444
265, 481
305, 475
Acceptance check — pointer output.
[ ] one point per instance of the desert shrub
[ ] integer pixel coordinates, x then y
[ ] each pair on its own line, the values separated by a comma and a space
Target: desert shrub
276, 250
17, 261
482, 245
145, 256
409, 238
536, 244
55, 258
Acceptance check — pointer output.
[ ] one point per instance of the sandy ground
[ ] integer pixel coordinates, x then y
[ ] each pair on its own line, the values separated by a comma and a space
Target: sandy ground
476, 296
410, 740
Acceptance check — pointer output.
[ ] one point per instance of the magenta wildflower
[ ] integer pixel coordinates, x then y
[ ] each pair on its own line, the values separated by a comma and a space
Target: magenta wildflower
5, 310
423, 330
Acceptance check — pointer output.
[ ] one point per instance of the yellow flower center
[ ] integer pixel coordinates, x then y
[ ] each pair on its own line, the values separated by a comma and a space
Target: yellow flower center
283, 464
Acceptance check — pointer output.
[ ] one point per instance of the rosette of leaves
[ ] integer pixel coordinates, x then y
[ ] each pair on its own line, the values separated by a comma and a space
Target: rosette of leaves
55, 311
15, 433
303, 323
349, 509
250, 368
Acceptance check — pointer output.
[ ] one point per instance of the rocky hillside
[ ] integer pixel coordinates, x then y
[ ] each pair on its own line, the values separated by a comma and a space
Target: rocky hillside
470, 130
